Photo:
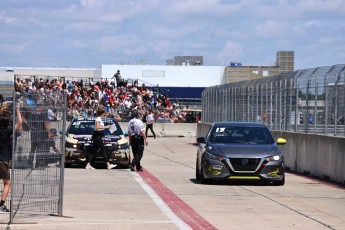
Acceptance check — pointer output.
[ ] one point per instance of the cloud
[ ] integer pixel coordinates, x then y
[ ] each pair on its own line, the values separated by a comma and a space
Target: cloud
210, 7
121, 44
10, 49
272, 28
231, 52
219, 30
86, 27
7, 20
307, 26
332, 40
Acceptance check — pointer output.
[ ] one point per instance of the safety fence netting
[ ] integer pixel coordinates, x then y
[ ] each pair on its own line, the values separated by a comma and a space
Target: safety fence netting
37, 164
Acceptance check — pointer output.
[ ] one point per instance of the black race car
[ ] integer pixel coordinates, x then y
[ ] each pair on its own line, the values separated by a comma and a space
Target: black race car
79, 143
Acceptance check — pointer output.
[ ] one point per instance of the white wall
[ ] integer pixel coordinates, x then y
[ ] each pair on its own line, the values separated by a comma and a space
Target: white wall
174, 76
6, 76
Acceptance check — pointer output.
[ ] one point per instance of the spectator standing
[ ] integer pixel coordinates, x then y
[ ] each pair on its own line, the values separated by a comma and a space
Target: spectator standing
341, 119
258, 118
118, 79
4, 108
6, 155
137, 139
150, 119
310, 119
75, 110
51, 115
39, 128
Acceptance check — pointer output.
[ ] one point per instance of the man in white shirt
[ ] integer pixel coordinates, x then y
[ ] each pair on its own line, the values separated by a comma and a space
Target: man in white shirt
51, 115
137, 139
149, 123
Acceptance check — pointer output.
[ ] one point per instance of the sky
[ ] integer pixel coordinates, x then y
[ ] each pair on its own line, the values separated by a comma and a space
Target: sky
89, 33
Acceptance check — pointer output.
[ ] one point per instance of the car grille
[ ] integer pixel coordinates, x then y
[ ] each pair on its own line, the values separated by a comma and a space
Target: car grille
244, 164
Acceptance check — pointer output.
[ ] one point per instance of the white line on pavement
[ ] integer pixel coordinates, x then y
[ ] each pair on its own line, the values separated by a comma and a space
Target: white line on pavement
160, 203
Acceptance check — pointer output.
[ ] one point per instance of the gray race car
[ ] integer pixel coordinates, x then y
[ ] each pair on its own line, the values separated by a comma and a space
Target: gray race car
241, 151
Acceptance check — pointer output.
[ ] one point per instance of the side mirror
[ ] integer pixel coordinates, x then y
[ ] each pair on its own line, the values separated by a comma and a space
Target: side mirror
281, 141
200, 140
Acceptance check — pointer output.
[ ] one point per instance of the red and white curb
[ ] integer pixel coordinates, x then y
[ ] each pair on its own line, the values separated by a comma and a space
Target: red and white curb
181, 214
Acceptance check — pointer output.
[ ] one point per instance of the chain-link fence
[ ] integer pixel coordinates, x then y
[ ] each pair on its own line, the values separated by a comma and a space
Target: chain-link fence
37, 154
309, 101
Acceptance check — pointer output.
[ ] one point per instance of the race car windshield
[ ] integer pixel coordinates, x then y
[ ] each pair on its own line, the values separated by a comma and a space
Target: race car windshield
87, 128
242, 135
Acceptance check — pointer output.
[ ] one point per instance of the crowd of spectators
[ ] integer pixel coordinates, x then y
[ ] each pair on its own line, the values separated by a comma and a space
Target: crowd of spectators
119, 100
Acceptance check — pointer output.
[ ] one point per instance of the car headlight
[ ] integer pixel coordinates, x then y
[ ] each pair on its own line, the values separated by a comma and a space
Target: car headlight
71, 145
214, 157
123, 151
273, 158
124, 146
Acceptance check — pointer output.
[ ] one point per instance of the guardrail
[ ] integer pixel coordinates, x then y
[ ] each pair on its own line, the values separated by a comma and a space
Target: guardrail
330, 130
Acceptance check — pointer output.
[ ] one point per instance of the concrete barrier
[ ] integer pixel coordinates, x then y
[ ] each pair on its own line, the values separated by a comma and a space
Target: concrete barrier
315, 155
169, 129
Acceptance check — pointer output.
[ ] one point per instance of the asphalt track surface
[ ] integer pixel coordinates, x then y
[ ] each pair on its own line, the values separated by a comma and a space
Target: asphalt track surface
167, 196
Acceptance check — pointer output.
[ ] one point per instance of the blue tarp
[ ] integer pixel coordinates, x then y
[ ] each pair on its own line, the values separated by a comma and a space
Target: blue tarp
182, 92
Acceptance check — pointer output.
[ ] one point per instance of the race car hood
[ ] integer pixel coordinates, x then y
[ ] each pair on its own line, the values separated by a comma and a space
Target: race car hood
238, 151
88, 139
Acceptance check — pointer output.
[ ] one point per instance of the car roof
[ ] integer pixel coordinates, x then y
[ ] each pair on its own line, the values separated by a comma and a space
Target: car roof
243, 124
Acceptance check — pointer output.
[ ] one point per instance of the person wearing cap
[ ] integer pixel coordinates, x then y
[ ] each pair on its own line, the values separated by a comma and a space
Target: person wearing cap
137, 139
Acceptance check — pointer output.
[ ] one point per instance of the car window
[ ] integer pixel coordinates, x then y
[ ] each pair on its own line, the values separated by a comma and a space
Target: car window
241, 135
86, 127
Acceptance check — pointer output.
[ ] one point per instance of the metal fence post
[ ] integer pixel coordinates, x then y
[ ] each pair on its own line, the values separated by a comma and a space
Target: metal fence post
335, 107
326, 107
315, 106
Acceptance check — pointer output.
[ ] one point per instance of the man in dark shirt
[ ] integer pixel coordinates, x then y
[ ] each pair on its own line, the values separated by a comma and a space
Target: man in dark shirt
39, 127
118, 78
6, 141
44, 157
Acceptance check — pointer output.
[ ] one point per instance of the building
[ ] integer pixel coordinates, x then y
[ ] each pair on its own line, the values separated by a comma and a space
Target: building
186, 60
184, 83
237, 72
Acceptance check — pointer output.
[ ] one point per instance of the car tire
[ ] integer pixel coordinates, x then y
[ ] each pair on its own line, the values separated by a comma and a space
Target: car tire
128, 165
197, 174
279, 182
203, 180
